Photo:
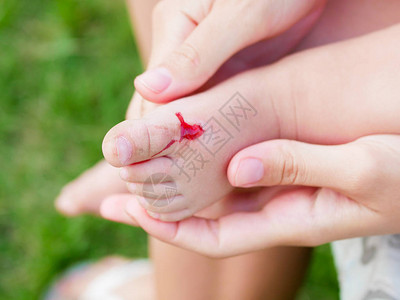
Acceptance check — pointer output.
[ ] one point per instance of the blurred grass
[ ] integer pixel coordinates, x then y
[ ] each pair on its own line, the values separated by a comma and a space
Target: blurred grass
66, 71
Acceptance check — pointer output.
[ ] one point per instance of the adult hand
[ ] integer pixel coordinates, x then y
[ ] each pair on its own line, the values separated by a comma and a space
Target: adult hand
196, 38
346, 191
169, 36
362, 200
77, 198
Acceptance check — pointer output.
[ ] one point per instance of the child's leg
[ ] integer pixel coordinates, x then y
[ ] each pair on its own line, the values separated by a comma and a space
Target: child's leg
268, 274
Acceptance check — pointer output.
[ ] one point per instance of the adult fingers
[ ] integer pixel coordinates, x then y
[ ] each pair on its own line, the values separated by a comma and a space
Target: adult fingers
301, 217
221, 30
113, 209
348, 168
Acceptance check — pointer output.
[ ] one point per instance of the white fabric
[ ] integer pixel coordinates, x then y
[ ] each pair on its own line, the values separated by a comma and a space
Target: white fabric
102, 287
369, 267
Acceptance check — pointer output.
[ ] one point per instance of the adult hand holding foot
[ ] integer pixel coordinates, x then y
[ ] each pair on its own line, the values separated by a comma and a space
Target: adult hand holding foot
173, 27
339, 192
325, 109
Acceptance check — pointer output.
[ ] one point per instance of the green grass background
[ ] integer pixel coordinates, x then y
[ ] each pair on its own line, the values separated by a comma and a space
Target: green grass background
66, 72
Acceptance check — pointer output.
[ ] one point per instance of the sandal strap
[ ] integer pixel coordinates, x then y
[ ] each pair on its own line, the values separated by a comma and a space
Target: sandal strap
103, 286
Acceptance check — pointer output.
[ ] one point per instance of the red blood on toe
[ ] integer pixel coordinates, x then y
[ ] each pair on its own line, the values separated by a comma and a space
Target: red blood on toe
189, 132
165, 148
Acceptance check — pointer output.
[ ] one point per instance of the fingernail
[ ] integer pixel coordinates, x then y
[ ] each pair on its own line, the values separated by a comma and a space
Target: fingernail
124, 150
249, 171
156, 80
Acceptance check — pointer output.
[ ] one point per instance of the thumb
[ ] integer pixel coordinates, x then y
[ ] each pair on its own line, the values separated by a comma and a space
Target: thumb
190, 64
215, 39
285, 162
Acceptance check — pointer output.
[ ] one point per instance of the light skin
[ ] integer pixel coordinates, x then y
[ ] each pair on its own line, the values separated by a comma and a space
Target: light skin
205, 270
140, 15
318, 109
320, 36
86, 194
178, 28
195, 40
300, 215
327, 113
182, 26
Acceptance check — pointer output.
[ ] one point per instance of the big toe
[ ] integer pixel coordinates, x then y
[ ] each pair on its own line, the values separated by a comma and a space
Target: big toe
134, 141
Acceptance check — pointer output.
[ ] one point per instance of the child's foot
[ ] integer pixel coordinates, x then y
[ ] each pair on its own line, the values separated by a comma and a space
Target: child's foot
176, 157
